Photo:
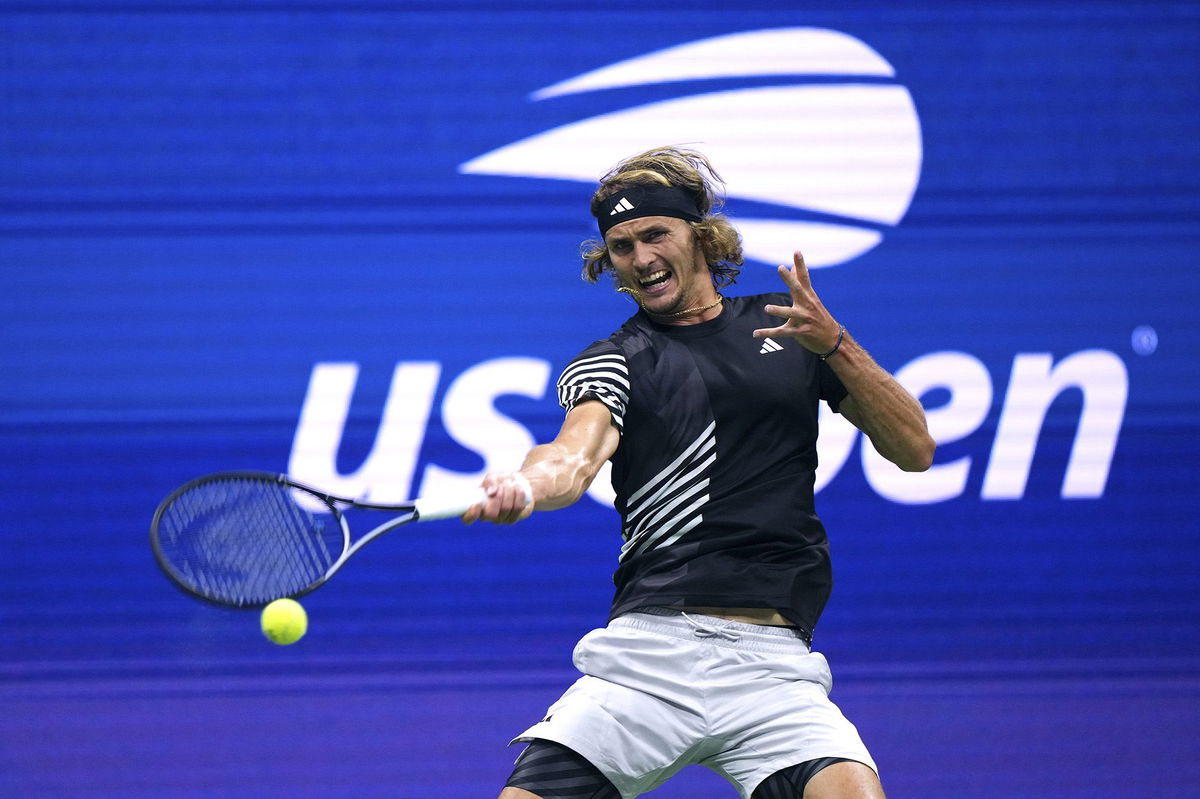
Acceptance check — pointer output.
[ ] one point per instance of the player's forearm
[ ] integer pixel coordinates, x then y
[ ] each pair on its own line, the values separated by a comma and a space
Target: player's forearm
553, 475
557, 476
879, 406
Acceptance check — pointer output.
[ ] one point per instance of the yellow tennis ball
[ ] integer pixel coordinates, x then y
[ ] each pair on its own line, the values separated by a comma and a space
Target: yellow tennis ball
284, 621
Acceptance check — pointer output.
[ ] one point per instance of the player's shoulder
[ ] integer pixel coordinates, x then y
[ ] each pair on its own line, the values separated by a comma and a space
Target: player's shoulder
631, 335
601, 357
604, 347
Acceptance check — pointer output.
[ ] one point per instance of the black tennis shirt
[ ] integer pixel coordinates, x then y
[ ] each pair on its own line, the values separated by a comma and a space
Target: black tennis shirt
715, 468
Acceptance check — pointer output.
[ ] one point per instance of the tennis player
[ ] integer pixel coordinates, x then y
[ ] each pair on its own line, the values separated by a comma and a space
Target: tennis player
707, 407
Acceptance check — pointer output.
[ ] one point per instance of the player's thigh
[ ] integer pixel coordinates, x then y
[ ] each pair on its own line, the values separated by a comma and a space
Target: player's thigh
845, 780
549, 770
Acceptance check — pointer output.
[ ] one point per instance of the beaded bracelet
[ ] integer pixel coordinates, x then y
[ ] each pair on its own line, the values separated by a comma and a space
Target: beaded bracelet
841, 334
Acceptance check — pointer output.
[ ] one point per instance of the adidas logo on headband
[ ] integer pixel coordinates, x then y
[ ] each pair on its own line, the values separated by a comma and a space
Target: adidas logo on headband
621, 206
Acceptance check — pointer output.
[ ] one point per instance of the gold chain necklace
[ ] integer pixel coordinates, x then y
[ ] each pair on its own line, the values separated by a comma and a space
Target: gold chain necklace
697, 309
677, 314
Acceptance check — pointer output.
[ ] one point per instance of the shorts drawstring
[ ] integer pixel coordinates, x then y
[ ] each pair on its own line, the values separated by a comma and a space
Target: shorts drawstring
703, 630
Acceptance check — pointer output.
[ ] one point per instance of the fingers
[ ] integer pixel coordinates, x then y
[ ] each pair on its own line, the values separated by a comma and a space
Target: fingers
796, 276
509, 500
788, 314
801, 270
806, 320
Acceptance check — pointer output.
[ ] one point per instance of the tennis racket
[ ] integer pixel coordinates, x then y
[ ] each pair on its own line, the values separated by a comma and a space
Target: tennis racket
245, 539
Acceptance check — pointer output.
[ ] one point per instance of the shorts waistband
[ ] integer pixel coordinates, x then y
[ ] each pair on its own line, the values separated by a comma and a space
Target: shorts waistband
676, 623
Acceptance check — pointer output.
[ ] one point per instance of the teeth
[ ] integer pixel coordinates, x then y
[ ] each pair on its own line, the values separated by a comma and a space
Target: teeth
659, 275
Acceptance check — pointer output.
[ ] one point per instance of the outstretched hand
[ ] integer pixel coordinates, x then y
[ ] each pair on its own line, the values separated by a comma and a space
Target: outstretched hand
806, 319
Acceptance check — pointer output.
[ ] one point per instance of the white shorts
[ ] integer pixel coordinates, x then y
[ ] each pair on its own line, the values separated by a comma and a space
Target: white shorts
662, 690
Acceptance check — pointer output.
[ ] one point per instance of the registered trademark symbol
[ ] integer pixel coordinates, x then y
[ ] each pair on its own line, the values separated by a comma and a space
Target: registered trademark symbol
1144, 340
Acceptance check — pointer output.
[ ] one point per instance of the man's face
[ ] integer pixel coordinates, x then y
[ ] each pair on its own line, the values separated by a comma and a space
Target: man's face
660, 259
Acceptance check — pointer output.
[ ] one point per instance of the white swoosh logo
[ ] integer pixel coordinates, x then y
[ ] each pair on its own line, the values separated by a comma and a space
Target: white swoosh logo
851, 150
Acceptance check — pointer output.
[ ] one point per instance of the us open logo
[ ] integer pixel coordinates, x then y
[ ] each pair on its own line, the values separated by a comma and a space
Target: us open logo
833, 158
826, 163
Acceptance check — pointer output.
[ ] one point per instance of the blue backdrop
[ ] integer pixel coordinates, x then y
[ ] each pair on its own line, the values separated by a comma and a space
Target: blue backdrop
341, 239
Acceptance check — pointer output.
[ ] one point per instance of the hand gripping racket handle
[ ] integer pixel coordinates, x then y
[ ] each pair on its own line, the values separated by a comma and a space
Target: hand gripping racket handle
431, 509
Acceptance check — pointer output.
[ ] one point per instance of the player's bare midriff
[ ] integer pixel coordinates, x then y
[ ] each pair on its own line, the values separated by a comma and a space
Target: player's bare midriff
766, 616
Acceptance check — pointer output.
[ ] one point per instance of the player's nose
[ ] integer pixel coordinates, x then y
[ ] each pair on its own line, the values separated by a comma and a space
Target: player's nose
643, 255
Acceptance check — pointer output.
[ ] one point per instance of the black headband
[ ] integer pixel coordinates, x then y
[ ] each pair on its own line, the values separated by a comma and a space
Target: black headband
635, 202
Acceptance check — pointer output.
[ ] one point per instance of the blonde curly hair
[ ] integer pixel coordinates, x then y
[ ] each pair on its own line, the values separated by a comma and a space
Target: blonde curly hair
687, 169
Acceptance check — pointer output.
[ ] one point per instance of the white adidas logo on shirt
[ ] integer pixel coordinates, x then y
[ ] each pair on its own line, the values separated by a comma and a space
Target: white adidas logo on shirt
770, 345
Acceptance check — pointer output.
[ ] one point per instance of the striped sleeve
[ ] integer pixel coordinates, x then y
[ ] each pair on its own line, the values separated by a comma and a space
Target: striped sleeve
599, 373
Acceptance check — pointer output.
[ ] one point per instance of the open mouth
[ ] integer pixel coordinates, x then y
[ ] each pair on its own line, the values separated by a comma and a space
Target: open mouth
656, 279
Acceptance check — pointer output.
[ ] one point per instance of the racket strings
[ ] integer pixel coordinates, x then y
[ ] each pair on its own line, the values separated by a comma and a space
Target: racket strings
247, 541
